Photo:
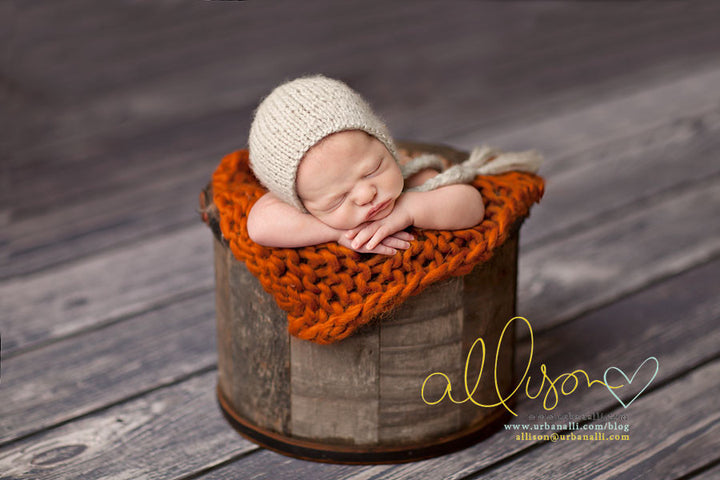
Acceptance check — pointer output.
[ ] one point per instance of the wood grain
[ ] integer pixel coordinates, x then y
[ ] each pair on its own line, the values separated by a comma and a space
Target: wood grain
335, 389
424, 335
601, 264
171, 432
687, 436
88, 372
610, 121
253, 347
709, 474
601, 183
103, 289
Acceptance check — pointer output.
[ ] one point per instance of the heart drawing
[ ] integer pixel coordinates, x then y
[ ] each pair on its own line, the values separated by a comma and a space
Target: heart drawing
629, 380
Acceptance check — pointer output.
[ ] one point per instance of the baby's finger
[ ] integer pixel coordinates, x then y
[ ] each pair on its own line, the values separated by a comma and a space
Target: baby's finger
380, 235
382, 250
363, 236
403, 235
354, 231
350, 234
394, 242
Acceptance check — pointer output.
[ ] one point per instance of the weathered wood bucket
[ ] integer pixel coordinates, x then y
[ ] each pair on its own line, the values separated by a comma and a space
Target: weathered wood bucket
366, 398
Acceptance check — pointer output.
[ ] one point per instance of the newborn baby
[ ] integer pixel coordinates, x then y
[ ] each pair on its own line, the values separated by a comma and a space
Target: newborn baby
352, 188
332, 172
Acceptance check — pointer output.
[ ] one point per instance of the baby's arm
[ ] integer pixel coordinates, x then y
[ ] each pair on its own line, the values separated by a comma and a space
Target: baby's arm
452, 207
274, 223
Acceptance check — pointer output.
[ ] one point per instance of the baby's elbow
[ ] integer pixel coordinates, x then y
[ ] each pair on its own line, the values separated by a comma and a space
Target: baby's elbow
472, 202
257, 228
479, 210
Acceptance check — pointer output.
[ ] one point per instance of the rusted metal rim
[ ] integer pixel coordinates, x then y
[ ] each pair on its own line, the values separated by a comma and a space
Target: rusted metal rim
331, 453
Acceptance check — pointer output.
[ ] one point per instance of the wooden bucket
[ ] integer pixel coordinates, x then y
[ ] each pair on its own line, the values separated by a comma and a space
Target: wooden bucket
359, 400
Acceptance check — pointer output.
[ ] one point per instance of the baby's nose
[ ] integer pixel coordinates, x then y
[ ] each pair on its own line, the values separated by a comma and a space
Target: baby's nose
365, 193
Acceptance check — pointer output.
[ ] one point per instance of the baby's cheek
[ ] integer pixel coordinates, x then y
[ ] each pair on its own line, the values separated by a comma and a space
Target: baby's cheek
340, 220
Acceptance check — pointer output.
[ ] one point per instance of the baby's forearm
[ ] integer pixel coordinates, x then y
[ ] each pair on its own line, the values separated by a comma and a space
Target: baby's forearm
273, 223
452, 207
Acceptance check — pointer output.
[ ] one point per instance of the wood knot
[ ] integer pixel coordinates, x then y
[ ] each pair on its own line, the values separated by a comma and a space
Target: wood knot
58, 455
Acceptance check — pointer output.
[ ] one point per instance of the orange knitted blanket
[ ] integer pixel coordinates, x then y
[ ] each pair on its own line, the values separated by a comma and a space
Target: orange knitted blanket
329, 291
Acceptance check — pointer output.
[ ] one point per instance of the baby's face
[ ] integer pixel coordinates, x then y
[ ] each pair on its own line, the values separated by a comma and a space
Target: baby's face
349, 178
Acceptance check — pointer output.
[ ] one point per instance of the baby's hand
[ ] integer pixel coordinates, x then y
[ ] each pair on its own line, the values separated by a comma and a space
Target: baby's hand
389, 246
370, 235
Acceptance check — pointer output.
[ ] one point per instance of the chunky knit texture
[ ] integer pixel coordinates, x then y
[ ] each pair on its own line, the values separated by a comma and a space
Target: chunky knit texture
296, 116
329, 291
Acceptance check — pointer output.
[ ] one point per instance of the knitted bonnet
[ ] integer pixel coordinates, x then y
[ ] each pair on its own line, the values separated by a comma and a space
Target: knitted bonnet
297, 115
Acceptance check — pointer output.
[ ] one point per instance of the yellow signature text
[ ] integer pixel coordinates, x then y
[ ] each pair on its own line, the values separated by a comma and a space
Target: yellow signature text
564, 384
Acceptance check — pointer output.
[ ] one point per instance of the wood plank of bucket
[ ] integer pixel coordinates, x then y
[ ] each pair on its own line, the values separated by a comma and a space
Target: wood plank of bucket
359, 400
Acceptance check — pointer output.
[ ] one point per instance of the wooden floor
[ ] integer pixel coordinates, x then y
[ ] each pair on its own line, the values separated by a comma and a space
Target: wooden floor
116, 113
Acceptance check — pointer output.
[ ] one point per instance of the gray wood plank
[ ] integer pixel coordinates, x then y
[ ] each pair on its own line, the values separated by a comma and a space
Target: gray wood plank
603, 182
423, 333
171, 30
169, 433
335, 391
480, 55
554, 75
676, 320
253, 346
124, 206
87, 372
710, 474
673, 431
610, 122
105, 288
160, 78
600, 264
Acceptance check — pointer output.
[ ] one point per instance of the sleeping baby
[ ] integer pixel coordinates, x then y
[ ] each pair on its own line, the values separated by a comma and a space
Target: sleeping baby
333, 174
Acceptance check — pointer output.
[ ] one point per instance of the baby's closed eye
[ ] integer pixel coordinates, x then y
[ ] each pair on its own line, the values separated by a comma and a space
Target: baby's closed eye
334, 203
375, 169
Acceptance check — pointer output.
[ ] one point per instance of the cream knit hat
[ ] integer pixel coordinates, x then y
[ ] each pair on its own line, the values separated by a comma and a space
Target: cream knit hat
296, 116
